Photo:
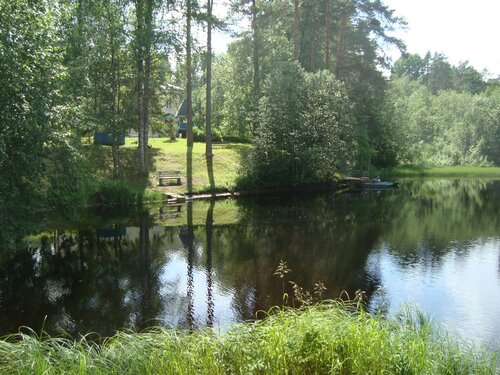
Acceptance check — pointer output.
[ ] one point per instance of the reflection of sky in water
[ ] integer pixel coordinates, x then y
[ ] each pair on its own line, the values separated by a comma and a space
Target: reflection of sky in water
174, 286
434, 243
461, 291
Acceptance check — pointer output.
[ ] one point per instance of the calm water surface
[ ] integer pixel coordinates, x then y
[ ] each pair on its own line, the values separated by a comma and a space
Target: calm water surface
434, 243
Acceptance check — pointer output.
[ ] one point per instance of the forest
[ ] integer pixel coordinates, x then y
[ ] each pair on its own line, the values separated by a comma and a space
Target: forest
309, 84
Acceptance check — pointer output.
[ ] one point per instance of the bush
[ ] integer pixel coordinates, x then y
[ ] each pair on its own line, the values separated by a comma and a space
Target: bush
113, 193
306, 129
199, 135
236, 139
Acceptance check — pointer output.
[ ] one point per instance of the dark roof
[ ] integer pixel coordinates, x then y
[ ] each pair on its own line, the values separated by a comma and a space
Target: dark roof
182, 111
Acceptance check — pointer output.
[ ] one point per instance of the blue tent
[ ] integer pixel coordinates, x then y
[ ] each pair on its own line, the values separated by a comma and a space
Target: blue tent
107, 139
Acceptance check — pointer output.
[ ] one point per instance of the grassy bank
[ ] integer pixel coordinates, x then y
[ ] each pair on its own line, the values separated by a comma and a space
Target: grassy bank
327, 338
169, 155
453, 171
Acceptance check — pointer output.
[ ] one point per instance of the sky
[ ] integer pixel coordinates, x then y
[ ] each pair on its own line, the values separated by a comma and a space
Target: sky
461, 30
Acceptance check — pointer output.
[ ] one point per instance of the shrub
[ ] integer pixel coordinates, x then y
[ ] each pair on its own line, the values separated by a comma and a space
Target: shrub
306, 129
199, 135
113, 193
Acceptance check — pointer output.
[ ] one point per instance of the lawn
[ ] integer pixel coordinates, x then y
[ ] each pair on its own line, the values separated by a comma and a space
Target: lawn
165, 154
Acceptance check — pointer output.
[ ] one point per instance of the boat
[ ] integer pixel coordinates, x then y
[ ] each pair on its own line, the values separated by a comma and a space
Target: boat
378, 184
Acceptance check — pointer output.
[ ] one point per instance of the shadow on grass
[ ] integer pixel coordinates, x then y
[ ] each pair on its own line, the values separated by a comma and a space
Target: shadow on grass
242, 149
210, 172
189, 170
99, 163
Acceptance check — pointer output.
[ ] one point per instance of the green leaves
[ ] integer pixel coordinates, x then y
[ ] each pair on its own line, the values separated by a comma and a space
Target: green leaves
306, 128
449, 128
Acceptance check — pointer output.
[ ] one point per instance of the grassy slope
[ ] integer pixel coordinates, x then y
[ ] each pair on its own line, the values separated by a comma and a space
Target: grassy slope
167, 155
321, 339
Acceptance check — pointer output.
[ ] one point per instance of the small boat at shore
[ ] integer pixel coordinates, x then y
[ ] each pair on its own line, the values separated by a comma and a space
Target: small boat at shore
378, 184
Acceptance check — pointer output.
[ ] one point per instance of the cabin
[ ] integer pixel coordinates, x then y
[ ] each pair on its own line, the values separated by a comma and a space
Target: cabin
181, 116
169, 108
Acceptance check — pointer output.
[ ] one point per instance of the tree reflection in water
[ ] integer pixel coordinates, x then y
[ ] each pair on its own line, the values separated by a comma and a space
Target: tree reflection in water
208, 249
198, 267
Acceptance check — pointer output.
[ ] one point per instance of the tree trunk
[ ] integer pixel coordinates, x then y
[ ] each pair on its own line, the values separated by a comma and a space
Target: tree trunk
189, 88
312, 57
147, 79
296, 31
114, 97
327, 35
144, 36
340, 45
208, 125
139, 12
256, 65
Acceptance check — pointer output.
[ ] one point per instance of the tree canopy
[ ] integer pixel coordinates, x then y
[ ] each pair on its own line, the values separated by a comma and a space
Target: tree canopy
306, 82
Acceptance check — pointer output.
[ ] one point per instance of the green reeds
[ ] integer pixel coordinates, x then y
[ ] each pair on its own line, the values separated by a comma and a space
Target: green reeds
333, 337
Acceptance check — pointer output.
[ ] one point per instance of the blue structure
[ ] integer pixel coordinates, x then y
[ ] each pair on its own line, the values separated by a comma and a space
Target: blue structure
107, 139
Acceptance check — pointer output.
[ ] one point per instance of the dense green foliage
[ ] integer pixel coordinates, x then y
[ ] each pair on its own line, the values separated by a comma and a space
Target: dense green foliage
447, 128
38, 158
67, 69
343, 38
437, 74
323, 339
306, 128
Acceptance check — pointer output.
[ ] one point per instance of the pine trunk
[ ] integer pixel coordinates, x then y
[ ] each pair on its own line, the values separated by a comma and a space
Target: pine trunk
340, 46
139, 10
312, 57
256, 65
208, 126
296, 31
189, 88
327, 36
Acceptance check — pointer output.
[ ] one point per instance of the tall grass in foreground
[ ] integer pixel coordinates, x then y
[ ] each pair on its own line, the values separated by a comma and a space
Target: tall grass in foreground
331, 337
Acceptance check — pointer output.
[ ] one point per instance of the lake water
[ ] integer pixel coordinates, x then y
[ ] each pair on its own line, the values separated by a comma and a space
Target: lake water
434, 243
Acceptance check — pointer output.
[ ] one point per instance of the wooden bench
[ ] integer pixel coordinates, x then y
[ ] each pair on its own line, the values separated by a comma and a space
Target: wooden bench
169, 175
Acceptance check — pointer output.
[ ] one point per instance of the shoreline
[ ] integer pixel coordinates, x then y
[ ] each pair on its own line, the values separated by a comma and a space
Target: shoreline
187, 197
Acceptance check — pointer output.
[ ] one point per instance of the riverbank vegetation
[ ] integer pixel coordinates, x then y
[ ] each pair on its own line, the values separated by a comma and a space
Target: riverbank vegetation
311, 95
443, 115
333, 337
450, 171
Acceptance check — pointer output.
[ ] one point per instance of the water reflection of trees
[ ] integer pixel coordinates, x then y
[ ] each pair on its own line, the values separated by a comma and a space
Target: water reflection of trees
320, 238
430, 213
100, 281
89, 283
87, 280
